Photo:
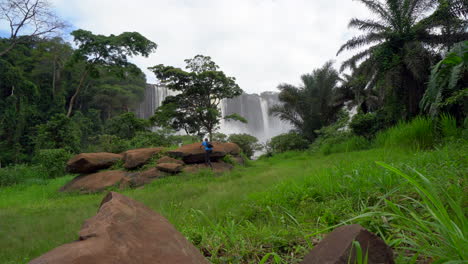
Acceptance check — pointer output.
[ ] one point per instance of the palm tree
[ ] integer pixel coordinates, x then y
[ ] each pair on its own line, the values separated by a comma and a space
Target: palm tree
311, 105
397, 54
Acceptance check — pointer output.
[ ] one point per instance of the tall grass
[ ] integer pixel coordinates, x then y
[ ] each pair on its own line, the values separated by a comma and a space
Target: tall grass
22, 174
343, 144
447, 126
417, 134
428, 225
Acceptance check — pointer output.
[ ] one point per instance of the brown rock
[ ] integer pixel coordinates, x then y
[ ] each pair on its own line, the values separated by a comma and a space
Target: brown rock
137, 157
170, 167
125, 231
97, 182
167, 159
92, 162
146, 177
195, 153
218, 167
335, 248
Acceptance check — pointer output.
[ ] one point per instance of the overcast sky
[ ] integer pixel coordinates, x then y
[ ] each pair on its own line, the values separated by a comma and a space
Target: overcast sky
260, 42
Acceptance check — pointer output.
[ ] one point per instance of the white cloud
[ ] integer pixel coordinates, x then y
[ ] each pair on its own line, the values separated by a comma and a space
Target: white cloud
260, 42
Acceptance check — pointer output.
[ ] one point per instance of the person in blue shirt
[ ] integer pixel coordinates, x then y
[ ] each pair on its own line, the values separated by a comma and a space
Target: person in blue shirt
208, 151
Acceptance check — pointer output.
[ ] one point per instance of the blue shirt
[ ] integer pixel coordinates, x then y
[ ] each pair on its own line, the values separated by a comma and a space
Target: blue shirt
205, 143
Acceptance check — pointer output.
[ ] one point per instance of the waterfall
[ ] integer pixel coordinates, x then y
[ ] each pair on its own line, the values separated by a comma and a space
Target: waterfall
252, 107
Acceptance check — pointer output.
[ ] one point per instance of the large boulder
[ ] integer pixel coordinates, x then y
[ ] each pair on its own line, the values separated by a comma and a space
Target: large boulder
195, 153
217, 167
167, 159
142, 178
138, 157
92, 162
170, 167
97, 182
337, 246
125, 231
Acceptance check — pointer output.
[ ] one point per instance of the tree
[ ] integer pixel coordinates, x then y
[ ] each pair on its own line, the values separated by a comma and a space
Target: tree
108, 53
201, 89
312, 105
28, 19
397, 59
448, 84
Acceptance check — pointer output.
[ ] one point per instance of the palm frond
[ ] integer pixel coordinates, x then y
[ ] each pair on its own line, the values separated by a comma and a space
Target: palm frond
368, 25
377, 8
360, 41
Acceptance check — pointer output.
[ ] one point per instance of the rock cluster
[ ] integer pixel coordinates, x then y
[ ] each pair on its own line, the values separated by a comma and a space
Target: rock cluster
188, 158
125, 231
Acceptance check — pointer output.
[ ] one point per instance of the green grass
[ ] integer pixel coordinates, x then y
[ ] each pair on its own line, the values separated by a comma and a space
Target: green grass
273, 211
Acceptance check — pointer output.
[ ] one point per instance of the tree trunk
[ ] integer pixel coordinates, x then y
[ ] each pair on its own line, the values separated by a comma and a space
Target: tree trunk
73, 98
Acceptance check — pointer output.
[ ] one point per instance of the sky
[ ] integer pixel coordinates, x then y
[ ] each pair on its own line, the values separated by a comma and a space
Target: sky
261, 43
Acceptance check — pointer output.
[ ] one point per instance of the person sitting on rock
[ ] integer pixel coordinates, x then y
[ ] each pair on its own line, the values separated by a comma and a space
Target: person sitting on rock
208, 151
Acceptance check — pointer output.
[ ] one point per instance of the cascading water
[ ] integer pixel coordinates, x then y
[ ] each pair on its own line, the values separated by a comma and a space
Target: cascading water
252, 107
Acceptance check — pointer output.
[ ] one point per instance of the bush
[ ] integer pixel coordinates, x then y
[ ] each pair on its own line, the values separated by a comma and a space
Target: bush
367, 125
286, 142
448, 127
219, 137
59, 132
52, 161
345, 143
21, 173
108, 143
416, 134
126, 125
249, 144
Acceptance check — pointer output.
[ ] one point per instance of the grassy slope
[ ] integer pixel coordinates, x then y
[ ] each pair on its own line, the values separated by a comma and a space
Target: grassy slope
271, 206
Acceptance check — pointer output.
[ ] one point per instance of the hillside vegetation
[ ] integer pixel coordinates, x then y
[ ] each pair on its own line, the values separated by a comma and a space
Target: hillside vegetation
277, 208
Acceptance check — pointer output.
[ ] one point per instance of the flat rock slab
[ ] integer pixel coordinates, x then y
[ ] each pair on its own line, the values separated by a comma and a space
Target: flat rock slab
92, 162
97, 182
195, 153
146, 177
337, 246
170, 167
125, 231
138, 157
167, 159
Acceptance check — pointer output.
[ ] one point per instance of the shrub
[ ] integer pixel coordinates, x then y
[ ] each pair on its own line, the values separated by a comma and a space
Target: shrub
108, 143
367, 125
286, 142
345, 143
20, 173
59, 132
52, 161
126, 125
219, 137
416, 134
249, 144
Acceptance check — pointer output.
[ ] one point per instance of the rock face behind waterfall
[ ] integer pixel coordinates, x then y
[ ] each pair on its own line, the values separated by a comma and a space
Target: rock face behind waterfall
253, 107
125, 231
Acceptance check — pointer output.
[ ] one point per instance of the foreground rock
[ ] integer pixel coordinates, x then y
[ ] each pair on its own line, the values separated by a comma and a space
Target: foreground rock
194, 153
138, 157
92, 162
97, 182
125, 231
218, 167
337, 246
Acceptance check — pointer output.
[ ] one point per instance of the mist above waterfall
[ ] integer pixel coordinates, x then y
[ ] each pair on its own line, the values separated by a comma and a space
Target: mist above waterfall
252, 107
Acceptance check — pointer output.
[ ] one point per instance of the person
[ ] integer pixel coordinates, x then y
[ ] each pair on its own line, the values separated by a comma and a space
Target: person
208, 151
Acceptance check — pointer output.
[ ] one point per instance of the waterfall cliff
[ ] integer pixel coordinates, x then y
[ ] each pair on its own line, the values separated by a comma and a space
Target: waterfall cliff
252, 107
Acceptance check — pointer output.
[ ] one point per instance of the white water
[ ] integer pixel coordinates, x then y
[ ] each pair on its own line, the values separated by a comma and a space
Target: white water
252, 107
